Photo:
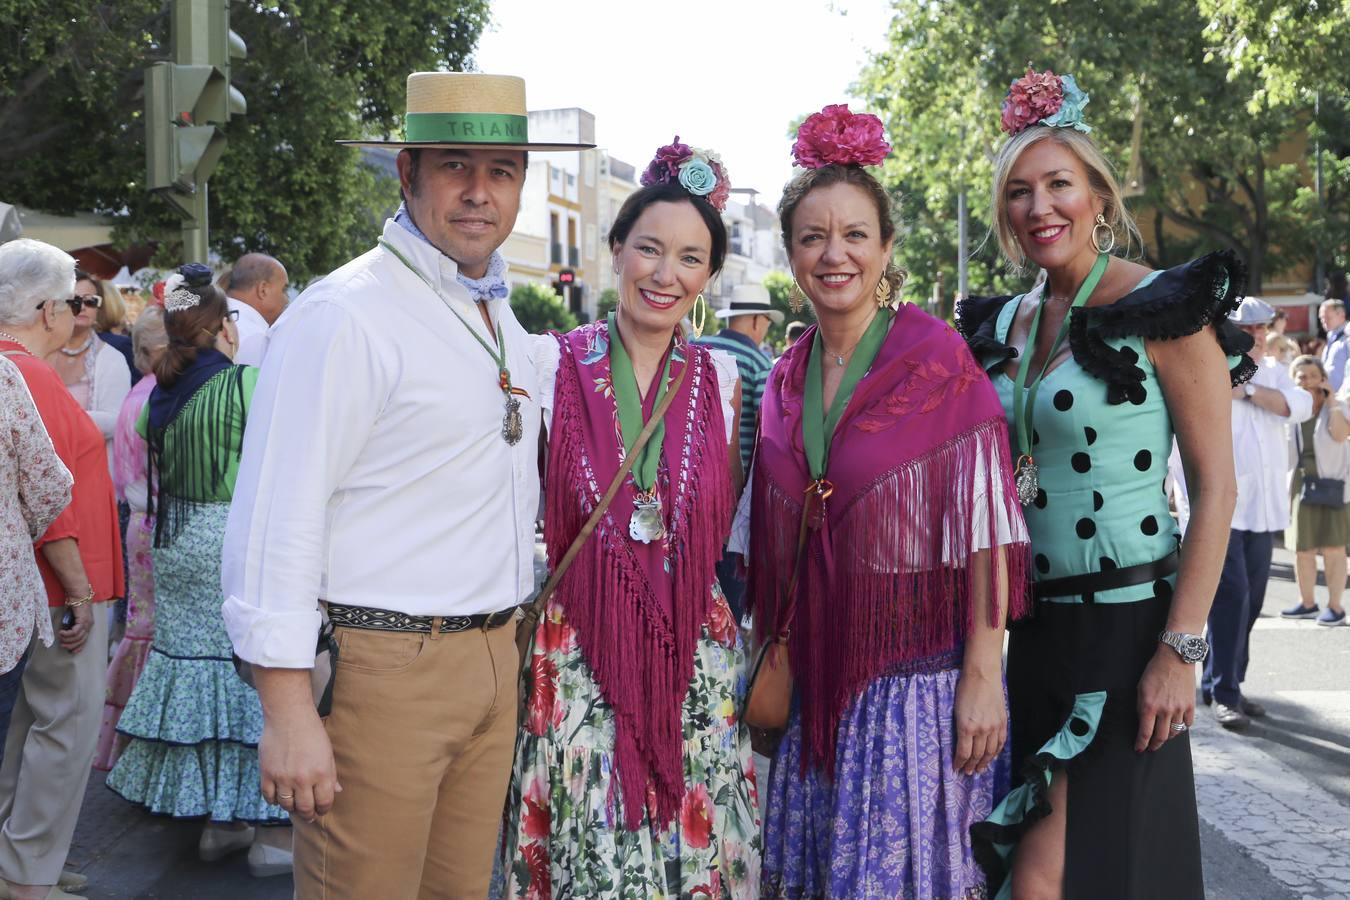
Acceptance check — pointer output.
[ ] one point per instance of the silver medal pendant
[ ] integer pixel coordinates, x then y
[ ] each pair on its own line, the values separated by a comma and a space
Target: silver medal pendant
513, 426
646, 525
1027, 480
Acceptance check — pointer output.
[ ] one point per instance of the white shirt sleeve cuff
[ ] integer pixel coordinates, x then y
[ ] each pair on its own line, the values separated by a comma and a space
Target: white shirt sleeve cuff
279, 640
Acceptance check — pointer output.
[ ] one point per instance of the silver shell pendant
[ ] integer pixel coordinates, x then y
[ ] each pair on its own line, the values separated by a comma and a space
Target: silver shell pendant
1027, 480
646, 524
513, 425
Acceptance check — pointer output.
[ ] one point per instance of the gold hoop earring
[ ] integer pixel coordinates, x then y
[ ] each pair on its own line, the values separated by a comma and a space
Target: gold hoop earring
796, 298
884, 290
699, 318
1110, 233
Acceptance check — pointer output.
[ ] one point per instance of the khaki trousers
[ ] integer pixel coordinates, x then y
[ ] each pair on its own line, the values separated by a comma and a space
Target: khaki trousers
53, 733
423, 729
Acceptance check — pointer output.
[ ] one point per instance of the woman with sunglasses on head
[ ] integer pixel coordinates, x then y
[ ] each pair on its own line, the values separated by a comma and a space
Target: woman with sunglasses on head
95, 372
886, 552
633, 774
1097, 367
193, 725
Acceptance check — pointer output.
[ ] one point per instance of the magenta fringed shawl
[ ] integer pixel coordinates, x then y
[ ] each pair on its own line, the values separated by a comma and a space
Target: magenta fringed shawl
638, 609
885, 579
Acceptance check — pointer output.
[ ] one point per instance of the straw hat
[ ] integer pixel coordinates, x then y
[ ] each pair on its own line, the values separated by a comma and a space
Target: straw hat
751, 300
467, 111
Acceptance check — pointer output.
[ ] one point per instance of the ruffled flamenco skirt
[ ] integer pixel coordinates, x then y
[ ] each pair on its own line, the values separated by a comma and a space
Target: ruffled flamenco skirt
192, 726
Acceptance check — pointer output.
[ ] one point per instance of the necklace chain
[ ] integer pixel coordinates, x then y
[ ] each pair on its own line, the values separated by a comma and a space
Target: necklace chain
5, 335
87, 344
839, 358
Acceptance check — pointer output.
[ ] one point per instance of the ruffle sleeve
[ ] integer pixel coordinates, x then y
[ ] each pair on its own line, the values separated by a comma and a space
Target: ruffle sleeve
977, 322
546, 354
1179, 302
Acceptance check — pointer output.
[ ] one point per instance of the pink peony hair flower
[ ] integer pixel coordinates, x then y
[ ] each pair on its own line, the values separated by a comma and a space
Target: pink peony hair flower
835, 136
1031, 98
700, 172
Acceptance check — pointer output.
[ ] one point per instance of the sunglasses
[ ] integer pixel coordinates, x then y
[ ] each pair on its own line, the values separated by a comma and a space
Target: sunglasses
75, 303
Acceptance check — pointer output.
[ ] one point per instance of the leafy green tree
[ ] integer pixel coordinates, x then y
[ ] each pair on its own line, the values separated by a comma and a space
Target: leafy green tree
1206, 166
605, 303
538, 309
72, 112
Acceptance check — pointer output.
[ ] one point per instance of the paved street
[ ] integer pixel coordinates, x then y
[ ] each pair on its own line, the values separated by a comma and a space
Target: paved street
1275, 802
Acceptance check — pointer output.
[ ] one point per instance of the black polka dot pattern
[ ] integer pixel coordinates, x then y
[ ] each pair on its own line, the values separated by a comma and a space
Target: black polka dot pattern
1091, 434
1079, 727
1142, 460
1106, 564
1064, 401
1042, 563
1149, 526
1097, 501
1162, 589
1086, 528
1082, 463
1035, 437
1041, 499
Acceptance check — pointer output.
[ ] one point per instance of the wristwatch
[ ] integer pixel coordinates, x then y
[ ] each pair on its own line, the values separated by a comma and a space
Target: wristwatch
1192, 648
1249, 389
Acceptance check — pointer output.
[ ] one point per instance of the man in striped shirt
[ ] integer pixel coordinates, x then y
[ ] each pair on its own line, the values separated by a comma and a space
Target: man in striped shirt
747, 322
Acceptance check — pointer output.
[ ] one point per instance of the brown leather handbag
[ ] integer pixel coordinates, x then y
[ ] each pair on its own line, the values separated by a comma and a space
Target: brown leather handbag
525, 627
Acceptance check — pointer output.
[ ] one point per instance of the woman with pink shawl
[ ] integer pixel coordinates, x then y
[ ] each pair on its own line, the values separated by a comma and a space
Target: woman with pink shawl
129, 478
886, 550
633, 773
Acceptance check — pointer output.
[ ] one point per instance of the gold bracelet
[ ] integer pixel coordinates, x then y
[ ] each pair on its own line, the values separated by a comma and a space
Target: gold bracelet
77, 602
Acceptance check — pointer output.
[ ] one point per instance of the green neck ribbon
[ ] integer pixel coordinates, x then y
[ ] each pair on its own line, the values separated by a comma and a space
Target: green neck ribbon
817, 427
1024, 397
630, 407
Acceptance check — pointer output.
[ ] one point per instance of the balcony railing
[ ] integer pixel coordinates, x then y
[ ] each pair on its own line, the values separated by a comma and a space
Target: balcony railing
555, 257
573, 256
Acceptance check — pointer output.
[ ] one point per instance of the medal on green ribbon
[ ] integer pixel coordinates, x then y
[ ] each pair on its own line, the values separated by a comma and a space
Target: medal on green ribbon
1026, 474
513, 424
647, 523
817, 427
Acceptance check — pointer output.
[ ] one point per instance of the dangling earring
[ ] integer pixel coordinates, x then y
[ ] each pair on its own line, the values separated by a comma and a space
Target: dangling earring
1110, 233
699, 318
796, 298
884, 290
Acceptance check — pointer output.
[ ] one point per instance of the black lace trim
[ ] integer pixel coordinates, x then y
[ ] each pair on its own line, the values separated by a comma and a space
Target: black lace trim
984, 835
1179, 302
977, 322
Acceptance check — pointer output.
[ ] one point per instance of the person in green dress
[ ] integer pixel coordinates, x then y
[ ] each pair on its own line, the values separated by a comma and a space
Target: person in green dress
193, 726
1098, 367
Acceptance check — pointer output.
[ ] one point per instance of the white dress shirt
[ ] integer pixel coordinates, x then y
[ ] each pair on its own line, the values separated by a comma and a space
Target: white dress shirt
374, 471
1260, 451
252, 333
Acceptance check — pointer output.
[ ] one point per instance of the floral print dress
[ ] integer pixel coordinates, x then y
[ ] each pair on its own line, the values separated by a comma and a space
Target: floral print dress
564, 829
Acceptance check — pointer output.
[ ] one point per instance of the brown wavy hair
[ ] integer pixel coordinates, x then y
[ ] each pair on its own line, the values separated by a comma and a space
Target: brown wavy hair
190, 330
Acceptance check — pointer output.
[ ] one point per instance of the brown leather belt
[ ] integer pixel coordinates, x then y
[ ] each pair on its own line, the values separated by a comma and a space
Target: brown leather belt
386, 620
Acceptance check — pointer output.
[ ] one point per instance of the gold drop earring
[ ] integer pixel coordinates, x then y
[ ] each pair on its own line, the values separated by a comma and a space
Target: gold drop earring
699, 317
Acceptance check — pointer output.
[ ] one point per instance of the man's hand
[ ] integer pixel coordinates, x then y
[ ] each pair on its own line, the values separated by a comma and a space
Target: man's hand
73, 638
298, 772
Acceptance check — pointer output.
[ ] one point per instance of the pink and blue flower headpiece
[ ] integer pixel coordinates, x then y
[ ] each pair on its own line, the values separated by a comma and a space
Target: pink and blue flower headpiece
1044, 99
700, 172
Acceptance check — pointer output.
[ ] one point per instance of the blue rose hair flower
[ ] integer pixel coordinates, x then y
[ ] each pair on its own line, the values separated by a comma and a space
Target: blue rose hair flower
697, 177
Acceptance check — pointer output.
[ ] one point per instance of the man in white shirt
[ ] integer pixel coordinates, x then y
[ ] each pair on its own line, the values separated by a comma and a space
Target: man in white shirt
389, 470
1262, 408
257, 291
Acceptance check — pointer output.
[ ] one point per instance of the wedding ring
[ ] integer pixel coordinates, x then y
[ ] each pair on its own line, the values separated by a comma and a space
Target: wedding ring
1178, 727
292, 796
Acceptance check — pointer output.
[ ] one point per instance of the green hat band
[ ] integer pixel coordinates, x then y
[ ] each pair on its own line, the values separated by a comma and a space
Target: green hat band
466, 128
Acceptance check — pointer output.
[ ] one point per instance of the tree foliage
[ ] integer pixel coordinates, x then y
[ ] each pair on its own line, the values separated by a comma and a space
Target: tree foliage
71, 107
1207, 167
539, 309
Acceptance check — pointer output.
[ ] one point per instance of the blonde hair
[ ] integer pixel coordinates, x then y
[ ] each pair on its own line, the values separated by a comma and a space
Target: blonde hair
1101, 178
112, 315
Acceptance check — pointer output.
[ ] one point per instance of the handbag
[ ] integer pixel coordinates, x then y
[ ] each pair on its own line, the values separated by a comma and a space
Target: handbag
1318, 491
525, 627
321, 676
768, 700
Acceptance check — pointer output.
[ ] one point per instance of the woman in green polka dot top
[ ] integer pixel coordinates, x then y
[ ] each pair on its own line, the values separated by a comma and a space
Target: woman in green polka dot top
1098, 366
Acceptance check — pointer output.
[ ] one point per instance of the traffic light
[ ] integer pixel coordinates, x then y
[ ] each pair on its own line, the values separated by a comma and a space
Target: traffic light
187, 103
567, 276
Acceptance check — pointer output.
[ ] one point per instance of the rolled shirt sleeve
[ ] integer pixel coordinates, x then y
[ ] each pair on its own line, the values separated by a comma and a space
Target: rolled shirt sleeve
1299, 401
319, 393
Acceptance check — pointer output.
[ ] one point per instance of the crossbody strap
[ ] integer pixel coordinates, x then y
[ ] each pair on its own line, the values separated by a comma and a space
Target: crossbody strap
536, 608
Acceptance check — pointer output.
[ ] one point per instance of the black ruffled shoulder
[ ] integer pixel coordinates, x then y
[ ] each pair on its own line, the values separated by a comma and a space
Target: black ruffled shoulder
977, 322
1179, 302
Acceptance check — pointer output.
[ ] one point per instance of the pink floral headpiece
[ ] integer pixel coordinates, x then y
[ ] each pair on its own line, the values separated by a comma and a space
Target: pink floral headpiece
836, 137
700, 172
1044, 99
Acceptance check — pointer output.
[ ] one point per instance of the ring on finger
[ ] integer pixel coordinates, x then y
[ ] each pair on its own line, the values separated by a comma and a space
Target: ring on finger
1178, 727
284, 797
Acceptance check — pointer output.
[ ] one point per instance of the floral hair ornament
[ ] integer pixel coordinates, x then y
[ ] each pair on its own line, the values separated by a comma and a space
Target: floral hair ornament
177, 297
836, 137
700, 172
1044, 99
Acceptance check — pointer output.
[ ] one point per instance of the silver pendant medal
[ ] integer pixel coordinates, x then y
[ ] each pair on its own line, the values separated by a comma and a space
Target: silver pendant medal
646, 525
513, 425
1027, 480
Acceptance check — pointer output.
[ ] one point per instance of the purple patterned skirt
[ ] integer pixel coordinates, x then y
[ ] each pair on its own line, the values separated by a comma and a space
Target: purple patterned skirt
896, 821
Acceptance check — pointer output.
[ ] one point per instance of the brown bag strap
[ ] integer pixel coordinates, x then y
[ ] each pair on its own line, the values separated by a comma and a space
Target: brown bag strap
537, 607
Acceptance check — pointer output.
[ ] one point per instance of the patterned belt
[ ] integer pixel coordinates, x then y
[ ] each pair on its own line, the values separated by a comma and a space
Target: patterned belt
385, 620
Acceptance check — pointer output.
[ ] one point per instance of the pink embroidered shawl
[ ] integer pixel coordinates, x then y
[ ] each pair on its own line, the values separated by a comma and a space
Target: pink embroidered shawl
638, 609
885, 578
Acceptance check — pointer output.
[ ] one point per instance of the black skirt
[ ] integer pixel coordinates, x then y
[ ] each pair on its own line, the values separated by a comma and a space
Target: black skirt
1132, 830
